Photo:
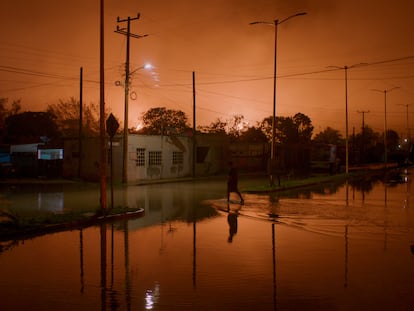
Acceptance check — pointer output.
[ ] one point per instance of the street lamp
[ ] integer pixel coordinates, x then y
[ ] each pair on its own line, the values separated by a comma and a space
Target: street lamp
275, 23
345, 68
385, 120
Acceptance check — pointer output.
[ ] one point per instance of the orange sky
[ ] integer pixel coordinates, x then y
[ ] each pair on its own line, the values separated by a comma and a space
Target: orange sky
44, 43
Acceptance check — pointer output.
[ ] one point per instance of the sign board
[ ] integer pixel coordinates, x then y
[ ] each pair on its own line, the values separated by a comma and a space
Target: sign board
112, 125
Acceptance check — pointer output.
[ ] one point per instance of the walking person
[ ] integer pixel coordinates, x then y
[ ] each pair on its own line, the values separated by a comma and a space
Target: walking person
232, 183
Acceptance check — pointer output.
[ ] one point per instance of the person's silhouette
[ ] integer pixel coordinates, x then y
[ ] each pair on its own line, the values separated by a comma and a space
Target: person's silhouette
232, 220
232, 183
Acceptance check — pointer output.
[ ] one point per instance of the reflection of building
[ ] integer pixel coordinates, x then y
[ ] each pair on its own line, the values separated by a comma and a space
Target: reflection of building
150, 157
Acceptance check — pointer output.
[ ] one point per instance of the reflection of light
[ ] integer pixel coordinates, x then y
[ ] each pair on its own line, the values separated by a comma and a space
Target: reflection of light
151, 297
51, 201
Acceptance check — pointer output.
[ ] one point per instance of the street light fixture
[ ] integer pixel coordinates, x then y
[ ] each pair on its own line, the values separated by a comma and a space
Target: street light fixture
385, 120
275, 23
345, 68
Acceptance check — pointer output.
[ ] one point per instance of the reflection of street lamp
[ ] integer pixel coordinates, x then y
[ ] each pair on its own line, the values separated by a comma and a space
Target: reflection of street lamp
275, 23
345, 68
385, 119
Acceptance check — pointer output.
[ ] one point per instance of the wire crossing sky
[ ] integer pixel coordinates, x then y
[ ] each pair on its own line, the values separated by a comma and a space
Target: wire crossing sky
44, 43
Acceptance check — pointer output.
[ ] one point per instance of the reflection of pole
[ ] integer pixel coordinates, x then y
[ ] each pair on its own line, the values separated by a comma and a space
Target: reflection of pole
127, 277
103, 267
346, 257
193, 211
194, 252
385, 216
112, 255
274, 267
81, 260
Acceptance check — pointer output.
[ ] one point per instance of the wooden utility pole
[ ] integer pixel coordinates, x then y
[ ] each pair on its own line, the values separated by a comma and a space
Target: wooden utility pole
102, 133
126, 32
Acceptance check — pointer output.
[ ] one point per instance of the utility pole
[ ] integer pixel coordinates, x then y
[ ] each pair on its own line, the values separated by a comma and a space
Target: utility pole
126, 32
102, 133
362, 155
385, 121
194, 127
80, 121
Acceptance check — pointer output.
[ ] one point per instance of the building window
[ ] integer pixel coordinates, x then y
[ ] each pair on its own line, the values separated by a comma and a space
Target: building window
177, 158
154, 158
140, 159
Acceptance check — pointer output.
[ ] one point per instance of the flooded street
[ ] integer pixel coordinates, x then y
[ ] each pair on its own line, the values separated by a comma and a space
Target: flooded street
329, 247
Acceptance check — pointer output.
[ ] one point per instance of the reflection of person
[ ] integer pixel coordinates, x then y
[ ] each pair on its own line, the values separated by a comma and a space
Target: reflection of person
232, 183
232, 220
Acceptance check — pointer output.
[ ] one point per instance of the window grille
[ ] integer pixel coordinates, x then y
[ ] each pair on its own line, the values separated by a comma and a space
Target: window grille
140, 159
154, 158
177, 158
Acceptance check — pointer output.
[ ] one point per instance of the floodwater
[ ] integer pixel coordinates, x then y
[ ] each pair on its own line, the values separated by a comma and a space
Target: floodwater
332, 247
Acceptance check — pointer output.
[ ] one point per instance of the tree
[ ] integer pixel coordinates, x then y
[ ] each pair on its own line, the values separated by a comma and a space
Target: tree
162, 121
6, 111
289, 130
304, 127
393, 140
233, 127
236, 126
253, 134
329, 136
31, 127
216, 127
67, 114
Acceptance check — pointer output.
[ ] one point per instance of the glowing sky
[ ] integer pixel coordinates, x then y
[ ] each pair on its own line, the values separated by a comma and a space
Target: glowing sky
44, 43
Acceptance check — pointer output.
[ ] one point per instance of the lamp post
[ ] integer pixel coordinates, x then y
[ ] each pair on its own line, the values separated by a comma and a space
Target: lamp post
274, 23
385, 120
345, 68
128, 75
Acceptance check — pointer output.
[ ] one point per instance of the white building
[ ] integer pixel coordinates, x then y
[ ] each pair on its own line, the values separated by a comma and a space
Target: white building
149, 157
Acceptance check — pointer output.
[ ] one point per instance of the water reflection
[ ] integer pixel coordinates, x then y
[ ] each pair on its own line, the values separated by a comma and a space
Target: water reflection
288, 252
232, 221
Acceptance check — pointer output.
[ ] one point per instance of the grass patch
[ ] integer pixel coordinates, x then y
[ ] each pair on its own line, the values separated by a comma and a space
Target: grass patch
33, 219
293, 183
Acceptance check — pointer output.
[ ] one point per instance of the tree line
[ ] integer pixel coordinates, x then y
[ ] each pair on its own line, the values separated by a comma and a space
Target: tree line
61, 120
